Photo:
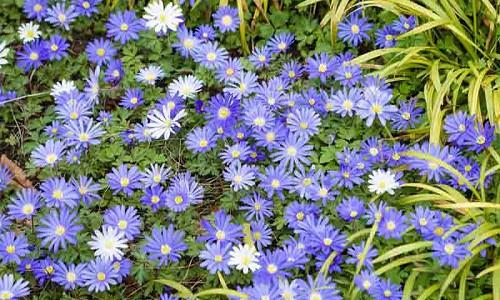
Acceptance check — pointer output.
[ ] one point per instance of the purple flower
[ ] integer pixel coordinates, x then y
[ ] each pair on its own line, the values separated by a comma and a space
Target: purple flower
241, 176
449, 252
366, 281
13, 248
407, 116
100, 51
88, 190
215, 258
303, 121
385, 37
201, 139
132, 98
35, 9
355, 253
59, 193
392, 225
280, 42
226, 19
123, 179
56, 47
291, 71
205, 33
59, 15
229, 70
404, 24
320, 287
429, 168
114, 72
376, 106
480, 138
456, 125
154, 197
84, 133
68, 276
125, 219
32, 56
210, 55
348, 75
187, 41
293, 152
256, 207
165, 245
386, 290
260, 57
353, 29
58, 229
345, 101
124, 26
86, 7
99, 275
275, 180
222, 230
25, 204
351, 209
320, 66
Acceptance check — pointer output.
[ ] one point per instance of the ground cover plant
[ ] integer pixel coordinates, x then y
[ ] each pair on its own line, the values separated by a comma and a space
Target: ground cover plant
249, 149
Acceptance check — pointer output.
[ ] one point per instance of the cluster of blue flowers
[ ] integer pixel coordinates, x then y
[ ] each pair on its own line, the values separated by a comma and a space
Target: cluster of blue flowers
263, 132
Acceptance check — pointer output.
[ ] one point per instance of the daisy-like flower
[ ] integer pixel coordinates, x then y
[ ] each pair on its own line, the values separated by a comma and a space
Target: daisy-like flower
210, 55
48, 154
58, 229
260, 57
320, 66
150, 74
114, 72
132, 98
244, 257
108, 243
256, 207
479, 138
429, 168
69, 276
293, 151
59, 193
100, 51
187, 41
31, 56
84, 133
4, 51
13, 289
35, 9
281, 42
393, 224
304, 121
155, 175
355, 253
348, 74
59, 15
456, 125
25, 204
319, 288
386, 290
92, 87
186, 86
205, 33
13, 248
165, 245
354, 29
291, 71
124, 179
215, 258
154, 197
163, 124
86, 7
386, 37
123, 26
381, 181
29, 32
351, 209
404, 24
226, 19
240, 176
43, 269
275, 180
88, 190
345, 101
56, 47
163, 18
99, 275
201, 139
125, 219
449, 252
229, 70
407, 116
376, 106
366, 281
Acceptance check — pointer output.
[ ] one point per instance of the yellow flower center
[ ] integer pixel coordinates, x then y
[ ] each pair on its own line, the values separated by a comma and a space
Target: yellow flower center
227, 20
188, 44
304, 125
223, 113
307, 181
390, 225
28, 209
61, 18
211, 56
124, 181
116, 266
376, 108
60, 230
86, 4
178, 199
51, 158
218, 258
262, 58
49, 270
34, 56
155, 199
71, 276
83, 137
229, 71
387, 293
275, 183
347, 104
327, 241
165, 249
389, 37
272, 268
439, 231
57, 194
122, 224
235, 154
134, 100
220, 235
299, 216
5, 295
315, 296
467, 168
291, 151
396, 156
10, 249
422, 221
322, 68
367, 284
449, 248
101, 52
480, 140
203, 143
406, 116
259, 122
257, 236
291, 74
54, 47
355, 29
124, 27
101, 276
37, 7
348, 75
322, 192
353, 214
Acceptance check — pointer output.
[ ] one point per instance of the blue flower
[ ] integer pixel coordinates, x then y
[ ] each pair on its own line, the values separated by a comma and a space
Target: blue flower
201, 139
348, 75
261, 233
222, 111
210, 55
386, 37
88, 190
366, 281
347, 176
59, 193
240, 175
407, 116
123, 179
275, 180
188, 186
125, 219
260, 57
256, 207
124, 26
86, 7
319, 288
99, 275
423, 219
222, 230
404, 24
304, 121
13, 289
376, 106
5, 177
351, 209
165, 245
293, 152
5, 222
187, 41
226, 19
56, 47
386, 290
58, 229
132, 98
35, 9
429, 168
154, 197
392, 225
43, 270
237, 152
205, 33
291, 71
273, 265
229, 70
242, 85
13, 248
215, 257
345, 101
354, 29
263, 290
281, 42
122, 268
69, 276
479, 138
59, 15
155, 175
320, 66
32, 56
355, 253
114, 72
258, 117
100, 51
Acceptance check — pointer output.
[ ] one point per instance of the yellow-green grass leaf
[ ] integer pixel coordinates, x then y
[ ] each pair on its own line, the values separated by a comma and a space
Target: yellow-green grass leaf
221, 279
241, 15
326, 265
495, 282
402, 250
423, 28
219, 291
429, 291
454, 272
490, 9
307, 3
183, 291
410, 282
484, 297
413, 199
484, 227
248, 235
470, 205
223, 2
374, 54
462, 287
362, 257
357, 235
402, 261
431, 189
473, 96
444, 165
495, 267
435, 130
483, 236
496, 104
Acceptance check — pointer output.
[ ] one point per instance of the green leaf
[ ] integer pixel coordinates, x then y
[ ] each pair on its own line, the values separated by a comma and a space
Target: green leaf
219, 291
410, 282
184, 292
429, 291
402, 250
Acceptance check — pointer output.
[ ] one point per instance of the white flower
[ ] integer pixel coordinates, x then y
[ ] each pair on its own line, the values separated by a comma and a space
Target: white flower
161, 18
149, 74
244, 258
29, 32
108, 243
61, 87
383, 181
3, 53
186, 86
161, 123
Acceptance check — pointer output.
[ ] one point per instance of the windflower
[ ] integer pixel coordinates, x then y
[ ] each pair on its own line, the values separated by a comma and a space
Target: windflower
162, 18
381, 181
244, 258
161, 123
